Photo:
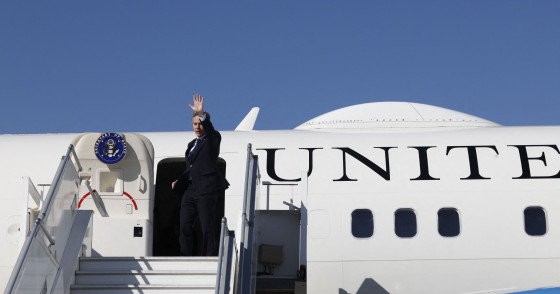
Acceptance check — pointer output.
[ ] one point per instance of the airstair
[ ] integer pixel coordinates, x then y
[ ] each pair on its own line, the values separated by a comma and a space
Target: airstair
60, 254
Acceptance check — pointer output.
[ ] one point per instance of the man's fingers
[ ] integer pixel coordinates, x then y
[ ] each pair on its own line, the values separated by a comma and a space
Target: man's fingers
198, 102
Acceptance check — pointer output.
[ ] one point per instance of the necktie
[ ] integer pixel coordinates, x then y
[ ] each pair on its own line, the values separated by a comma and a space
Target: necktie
194, 147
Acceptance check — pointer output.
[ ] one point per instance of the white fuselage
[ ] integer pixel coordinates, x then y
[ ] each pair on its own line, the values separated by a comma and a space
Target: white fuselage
482, 173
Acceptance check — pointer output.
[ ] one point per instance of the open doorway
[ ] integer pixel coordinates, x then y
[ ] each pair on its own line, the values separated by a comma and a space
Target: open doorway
166, 209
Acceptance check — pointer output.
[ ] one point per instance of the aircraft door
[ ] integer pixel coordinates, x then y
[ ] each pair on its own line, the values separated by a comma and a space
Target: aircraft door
167, 209
119, 170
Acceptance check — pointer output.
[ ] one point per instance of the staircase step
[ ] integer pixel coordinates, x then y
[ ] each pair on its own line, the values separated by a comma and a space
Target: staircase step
141, 289
146, 277
148, 263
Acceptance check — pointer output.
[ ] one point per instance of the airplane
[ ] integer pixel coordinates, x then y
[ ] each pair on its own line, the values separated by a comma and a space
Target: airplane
382, 197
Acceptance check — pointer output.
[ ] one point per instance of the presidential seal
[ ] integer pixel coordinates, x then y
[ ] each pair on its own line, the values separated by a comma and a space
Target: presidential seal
110, 148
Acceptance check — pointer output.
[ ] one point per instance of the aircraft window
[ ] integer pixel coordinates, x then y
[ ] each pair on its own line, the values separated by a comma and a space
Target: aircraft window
535, 221
448, 222
362, 223
405, 223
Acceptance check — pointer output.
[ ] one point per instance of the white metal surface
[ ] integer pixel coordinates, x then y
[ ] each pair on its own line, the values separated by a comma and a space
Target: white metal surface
248, 122
119, 185
45, 263
393, 115
146, 275
492, 253
144, 263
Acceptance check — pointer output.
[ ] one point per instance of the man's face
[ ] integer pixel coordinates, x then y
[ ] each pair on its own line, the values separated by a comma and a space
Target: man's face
197, 126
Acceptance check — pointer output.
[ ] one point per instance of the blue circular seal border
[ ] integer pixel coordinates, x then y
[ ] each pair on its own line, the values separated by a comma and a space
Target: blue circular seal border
110, 148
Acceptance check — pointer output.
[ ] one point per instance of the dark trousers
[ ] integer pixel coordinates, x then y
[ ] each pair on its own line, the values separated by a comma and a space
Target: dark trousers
204, 207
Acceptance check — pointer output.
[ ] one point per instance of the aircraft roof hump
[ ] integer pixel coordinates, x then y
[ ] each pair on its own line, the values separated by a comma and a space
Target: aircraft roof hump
394, 115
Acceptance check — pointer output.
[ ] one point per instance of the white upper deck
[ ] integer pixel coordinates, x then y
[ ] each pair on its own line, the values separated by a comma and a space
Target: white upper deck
394, 115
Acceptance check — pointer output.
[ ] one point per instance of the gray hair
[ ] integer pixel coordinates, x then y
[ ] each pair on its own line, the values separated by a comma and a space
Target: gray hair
207, 115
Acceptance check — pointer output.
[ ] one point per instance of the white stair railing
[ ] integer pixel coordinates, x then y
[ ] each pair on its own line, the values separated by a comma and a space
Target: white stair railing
240, 263
227, 259
38, 267
29, 191
247, 274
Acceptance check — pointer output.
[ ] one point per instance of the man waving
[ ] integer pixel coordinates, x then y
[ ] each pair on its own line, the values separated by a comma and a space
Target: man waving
203, 181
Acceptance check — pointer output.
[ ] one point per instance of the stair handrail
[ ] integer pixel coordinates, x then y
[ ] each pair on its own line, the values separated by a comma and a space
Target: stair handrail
31, 190
225, 260
99, 204
41, 219
221, 256
246, 280
244, 257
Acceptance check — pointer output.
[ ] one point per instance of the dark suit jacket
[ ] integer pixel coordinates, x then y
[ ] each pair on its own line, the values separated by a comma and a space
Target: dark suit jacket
201, 168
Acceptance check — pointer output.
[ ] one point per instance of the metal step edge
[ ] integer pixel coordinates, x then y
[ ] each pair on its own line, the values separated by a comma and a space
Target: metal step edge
133, 286
151, 258
146, 272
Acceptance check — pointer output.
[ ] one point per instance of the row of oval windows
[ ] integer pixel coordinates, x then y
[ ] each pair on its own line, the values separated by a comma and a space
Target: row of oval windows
448, 222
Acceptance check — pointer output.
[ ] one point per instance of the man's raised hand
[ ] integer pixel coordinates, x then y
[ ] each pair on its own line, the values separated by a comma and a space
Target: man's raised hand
198, 101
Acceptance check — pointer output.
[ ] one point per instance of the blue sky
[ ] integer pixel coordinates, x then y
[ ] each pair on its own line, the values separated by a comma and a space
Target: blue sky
131, 66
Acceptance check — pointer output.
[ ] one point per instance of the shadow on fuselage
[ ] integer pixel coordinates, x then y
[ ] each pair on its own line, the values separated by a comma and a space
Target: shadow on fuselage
369, 286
